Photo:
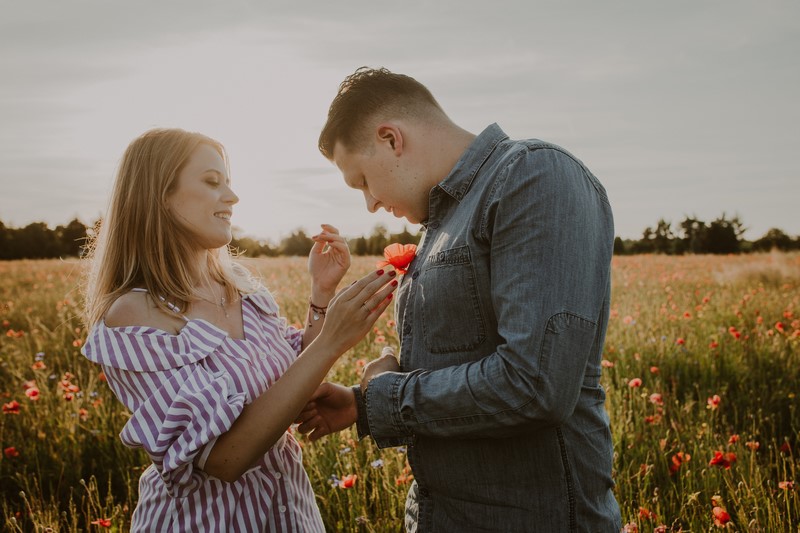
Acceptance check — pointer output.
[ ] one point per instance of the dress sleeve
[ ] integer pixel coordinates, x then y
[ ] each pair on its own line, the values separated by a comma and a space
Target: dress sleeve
179, 422
180, 405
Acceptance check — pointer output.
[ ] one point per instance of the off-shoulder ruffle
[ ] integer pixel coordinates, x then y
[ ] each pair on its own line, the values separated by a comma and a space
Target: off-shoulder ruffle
147, 349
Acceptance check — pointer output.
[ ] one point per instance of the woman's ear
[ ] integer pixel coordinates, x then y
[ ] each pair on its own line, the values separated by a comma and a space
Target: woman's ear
390, 134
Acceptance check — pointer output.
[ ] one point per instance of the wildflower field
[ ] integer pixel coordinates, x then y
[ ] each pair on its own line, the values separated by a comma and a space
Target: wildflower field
702, 368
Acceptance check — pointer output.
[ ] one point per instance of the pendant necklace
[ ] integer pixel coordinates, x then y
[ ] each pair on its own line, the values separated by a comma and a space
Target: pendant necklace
220, 304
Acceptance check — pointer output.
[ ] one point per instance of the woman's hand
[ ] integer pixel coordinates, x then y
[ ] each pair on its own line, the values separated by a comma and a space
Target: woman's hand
328, 262
352, 313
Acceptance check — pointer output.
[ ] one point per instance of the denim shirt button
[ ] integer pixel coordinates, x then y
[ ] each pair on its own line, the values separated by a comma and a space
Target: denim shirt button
424, 493
415, 275
407, 329
433, 225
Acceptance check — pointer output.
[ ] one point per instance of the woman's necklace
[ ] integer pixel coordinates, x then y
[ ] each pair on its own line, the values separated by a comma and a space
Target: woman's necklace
220, 304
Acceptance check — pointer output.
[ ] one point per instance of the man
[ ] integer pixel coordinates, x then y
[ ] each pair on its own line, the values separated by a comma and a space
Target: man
502, 317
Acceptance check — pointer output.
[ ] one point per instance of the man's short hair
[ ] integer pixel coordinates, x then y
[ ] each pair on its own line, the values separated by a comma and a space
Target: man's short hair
368, 93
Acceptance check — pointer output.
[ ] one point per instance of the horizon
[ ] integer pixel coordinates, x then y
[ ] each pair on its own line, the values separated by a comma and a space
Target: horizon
680, 110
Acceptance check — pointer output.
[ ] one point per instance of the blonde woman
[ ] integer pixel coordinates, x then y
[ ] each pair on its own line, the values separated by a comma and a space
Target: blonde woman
196, 349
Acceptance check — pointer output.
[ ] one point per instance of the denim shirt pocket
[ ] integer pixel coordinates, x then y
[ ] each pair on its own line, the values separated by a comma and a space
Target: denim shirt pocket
449, 278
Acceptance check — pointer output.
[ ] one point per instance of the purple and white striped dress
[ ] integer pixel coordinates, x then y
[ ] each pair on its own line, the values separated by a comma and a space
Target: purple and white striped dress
186, 390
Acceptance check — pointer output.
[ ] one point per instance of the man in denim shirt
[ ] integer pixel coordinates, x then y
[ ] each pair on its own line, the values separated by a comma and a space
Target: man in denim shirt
502, 318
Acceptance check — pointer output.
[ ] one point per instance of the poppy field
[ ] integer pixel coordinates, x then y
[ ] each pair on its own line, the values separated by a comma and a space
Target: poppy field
701, 368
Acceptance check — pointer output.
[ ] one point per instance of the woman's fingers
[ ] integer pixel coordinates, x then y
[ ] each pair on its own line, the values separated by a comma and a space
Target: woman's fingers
363, 289
384, 295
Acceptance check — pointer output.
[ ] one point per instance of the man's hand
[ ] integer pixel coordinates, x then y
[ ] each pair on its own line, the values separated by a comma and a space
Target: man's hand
387, 362
331, 408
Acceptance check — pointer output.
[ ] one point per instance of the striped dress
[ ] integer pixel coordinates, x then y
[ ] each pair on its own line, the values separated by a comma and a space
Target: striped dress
186, 390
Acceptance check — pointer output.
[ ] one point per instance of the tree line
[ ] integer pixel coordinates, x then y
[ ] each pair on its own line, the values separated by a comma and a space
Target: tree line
692, 235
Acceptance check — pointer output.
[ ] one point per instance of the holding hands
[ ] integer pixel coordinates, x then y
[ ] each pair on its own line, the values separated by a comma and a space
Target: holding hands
332, 408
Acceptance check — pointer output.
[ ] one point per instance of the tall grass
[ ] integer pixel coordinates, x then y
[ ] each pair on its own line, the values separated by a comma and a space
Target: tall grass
701, 357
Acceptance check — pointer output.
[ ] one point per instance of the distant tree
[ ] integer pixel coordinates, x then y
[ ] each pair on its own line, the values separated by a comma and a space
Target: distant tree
297, 243
774, 239
72, 238
724, 236
250, 247
378, 240
619, 246
662, 237
358, 246
405, 237
35, 241
645, 245
5, 241
695, 235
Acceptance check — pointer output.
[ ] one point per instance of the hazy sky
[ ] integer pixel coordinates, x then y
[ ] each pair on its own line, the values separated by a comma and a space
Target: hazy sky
680, 107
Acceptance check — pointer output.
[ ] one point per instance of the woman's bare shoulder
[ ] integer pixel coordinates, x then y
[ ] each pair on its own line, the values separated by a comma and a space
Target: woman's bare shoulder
138, 309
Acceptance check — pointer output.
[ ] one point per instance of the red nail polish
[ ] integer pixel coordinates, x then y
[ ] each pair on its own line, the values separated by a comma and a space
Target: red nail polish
380, 272
390, 296
393, 273
394, 283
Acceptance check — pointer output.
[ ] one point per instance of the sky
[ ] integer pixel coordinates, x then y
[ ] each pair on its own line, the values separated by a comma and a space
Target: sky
680, 108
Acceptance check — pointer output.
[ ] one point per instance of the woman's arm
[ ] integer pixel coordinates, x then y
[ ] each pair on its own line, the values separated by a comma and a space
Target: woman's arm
350, 316
328, 262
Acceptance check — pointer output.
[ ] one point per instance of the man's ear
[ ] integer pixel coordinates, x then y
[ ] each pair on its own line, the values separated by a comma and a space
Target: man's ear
391, 135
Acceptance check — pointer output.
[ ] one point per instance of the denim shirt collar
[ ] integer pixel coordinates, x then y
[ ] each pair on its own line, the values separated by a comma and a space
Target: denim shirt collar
460, 178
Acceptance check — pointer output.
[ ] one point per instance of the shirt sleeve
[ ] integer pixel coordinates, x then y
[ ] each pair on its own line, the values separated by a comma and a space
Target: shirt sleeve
550, 233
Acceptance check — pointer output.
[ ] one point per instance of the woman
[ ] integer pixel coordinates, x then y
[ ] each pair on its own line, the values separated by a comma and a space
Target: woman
195, 349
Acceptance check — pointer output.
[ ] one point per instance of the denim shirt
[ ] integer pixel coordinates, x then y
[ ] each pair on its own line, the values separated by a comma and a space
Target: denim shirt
502, 318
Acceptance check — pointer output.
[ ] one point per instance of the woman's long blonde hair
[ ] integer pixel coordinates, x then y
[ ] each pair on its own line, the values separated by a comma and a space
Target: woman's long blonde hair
140, 244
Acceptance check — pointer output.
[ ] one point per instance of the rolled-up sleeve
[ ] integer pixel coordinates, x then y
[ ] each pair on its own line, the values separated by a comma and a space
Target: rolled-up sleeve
178, 424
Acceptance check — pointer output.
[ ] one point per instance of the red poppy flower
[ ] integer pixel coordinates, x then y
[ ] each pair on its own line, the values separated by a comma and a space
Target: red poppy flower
721, 516
713, 402
32, 393
635, 383
399, 256
722, 460
348, 481
11, 452
656, 398
102, 522
647, 514
677, 460
11, 408
786, 485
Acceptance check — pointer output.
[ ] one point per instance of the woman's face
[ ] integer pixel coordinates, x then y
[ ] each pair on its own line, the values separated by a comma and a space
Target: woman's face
202, 201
